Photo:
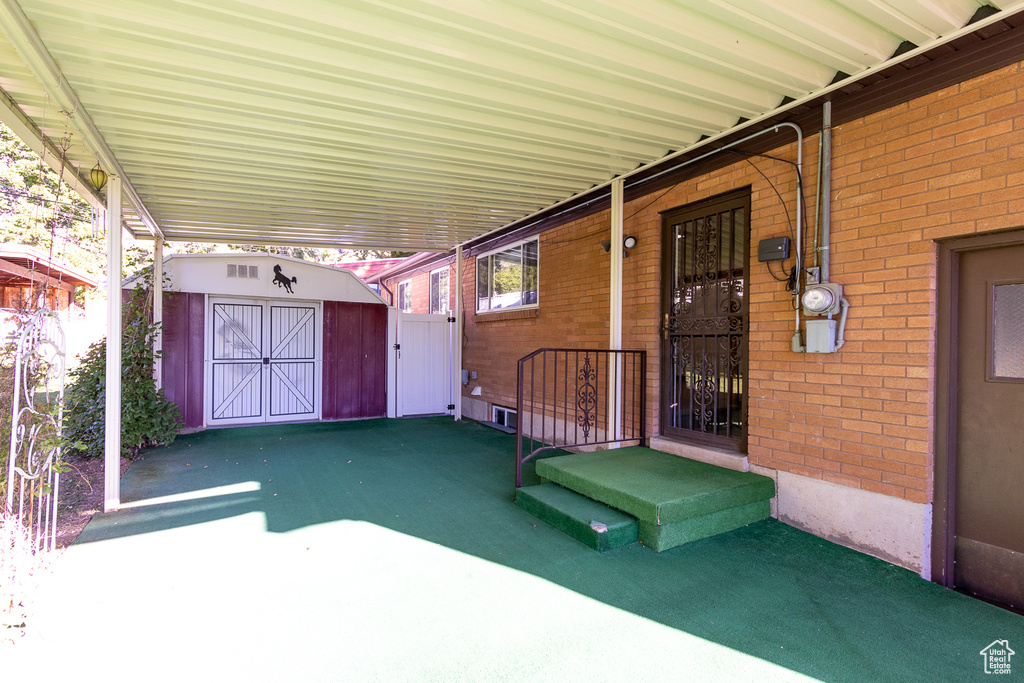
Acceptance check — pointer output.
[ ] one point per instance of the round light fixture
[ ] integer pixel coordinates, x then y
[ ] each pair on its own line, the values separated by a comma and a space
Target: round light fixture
629, 242
818, 299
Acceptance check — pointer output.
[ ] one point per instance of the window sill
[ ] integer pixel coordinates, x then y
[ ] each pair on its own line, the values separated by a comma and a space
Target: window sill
506, 315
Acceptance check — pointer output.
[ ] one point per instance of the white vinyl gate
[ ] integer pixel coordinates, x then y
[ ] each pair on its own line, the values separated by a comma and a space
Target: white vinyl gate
423, 363
263, 361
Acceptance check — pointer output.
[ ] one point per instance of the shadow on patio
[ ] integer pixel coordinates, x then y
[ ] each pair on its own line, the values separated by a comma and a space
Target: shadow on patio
395, 552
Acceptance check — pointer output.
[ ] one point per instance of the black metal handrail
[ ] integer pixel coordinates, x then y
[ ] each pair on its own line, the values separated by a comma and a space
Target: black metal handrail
579, 397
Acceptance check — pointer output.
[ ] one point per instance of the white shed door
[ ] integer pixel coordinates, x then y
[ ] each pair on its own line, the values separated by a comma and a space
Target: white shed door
264, 362
424, 364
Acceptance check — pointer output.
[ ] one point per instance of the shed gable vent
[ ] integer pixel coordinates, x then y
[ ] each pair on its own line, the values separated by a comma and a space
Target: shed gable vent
243, 271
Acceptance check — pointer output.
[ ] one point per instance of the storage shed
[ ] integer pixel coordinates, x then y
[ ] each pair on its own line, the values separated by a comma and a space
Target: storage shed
257, 338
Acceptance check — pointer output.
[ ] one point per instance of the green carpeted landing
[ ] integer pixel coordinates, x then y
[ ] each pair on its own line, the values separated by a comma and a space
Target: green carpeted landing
677, 500
391, 550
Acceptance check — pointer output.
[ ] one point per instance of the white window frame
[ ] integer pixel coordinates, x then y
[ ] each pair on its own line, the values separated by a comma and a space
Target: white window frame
507, 411
407, 286
486, 258
446, 302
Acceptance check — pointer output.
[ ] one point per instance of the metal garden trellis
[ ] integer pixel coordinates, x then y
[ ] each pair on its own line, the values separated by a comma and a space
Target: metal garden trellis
35, 447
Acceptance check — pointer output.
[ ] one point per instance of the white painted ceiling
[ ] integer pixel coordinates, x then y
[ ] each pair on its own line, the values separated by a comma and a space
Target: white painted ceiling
412, 124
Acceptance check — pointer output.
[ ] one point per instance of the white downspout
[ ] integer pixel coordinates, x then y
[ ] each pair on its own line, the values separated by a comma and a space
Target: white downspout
797, 340
457, 369
615, 312
826, 191
112, 436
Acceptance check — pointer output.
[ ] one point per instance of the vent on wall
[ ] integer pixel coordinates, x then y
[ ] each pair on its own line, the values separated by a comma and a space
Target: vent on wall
243, 271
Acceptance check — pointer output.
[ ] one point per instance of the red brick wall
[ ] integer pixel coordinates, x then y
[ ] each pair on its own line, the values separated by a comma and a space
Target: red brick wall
573, 311
421, 287
947, 164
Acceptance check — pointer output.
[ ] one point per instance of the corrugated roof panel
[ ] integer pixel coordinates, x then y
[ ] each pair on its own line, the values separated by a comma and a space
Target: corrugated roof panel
419, 124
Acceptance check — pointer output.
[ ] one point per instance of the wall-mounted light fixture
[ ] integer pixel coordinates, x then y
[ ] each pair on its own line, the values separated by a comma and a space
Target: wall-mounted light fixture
628, 242
98, 177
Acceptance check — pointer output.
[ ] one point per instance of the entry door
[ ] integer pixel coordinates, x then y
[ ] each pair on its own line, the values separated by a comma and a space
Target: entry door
989, 470
424, 364
264, 362
704, 322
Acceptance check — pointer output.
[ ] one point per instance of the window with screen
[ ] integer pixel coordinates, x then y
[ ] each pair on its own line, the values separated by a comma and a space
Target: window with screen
439, 290
508, 278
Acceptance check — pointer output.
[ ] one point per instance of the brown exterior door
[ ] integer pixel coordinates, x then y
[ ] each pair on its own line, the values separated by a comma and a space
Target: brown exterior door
988, 500
704, 321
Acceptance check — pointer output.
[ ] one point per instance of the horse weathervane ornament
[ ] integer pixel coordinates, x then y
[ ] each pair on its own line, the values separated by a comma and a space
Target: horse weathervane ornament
282, 280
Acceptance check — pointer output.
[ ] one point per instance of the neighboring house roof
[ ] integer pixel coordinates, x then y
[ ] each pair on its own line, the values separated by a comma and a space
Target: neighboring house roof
367, 269
424, 260
22, 265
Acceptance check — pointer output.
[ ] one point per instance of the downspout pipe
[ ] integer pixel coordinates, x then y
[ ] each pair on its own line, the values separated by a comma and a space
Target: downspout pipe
826, 189
817, 213
797, 341
391, 295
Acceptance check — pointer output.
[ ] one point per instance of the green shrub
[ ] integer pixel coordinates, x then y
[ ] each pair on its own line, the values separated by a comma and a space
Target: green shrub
147, 417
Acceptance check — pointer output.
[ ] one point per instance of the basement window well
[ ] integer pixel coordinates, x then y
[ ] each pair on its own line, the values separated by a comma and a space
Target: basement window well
503, 419
506, 417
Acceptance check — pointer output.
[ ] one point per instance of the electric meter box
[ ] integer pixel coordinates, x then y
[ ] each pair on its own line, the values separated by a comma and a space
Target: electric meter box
821, 336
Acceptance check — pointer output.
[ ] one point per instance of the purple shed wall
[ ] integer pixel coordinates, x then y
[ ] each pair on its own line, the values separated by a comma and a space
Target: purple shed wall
354, 357
183, 340
355, 360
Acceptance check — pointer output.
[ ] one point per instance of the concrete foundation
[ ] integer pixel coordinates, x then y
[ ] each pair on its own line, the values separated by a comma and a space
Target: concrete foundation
893, 529
475, 409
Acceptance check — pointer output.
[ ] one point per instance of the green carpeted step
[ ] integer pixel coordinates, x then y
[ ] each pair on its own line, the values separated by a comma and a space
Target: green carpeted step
656, 488
665, 536
575, 515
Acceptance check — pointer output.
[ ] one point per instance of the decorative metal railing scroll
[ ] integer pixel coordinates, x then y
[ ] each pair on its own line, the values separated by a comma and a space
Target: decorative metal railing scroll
579, 398
36, 417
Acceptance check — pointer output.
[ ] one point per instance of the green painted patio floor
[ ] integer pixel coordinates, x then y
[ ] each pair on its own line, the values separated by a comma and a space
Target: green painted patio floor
391, 550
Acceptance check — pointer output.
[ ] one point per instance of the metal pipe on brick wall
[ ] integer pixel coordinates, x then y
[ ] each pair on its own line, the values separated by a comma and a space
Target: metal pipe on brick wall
797, 342
826, 189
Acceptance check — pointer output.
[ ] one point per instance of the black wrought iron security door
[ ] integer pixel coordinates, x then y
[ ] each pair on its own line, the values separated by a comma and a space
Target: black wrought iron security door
704, 322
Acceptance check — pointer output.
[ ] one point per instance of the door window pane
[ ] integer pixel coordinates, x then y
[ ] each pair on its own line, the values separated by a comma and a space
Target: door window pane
1008, 331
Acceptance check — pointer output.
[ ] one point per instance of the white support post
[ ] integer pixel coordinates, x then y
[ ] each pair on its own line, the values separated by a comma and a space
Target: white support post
158, 308
459, 322
615, 313
112, 441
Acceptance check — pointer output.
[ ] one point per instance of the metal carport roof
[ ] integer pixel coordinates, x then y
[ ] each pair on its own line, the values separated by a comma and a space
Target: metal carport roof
415, 124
